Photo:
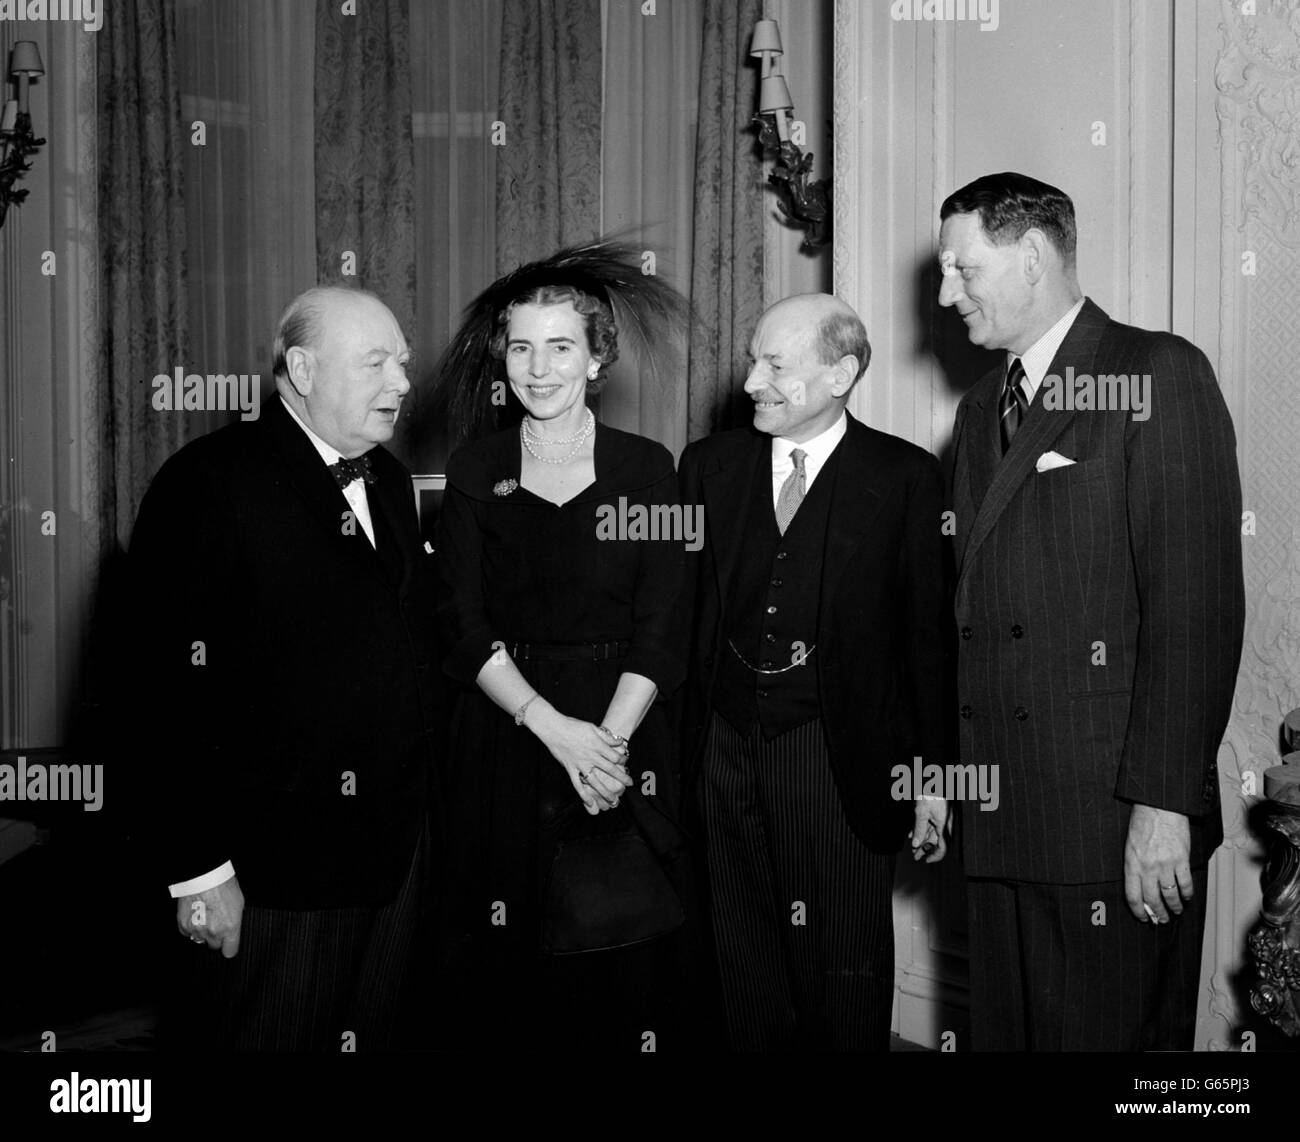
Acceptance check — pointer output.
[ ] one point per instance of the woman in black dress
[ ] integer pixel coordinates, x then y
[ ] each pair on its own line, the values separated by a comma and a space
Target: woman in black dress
570, 885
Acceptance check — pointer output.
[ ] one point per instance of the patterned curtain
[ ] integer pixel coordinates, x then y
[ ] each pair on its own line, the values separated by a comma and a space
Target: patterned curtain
457, 49
365, 182
548, 170
727, 245
648, 160
246, 71
142, 252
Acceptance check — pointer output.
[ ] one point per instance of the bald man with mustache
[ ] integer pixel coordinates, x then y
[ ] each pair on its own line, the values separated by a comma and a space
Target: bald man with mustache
816, 610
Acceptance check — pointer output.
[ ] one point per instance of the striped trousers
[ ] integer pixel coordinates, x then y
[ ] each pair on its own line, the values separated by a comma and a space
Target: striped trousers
303, 980
1066, 967
801, 909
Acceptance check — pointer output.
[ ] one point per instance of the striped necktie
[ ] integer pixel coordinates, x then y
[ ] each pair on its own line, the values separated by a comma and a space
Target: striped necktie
1013, 404
792, 491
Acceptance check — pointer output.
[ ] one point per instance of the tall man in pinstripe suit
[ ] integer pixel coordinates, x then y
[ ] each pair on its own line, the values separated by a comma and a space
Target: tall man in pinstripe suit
1099, 606
818, 664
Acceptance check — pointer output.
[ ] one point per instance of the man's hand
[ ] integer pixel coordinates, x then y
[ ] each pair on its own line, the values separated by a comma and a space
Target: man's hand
1156, 869
213, 917
930, 826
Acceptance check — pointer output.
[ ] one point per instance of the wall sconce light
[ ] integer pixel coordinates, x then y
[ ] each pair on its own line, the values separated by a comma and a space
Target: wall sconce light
16, 138
805, 203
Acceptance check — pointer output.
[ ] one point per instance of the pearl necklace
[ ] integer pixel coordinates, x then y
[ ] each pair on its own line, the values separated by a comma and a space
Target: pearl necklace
527, 437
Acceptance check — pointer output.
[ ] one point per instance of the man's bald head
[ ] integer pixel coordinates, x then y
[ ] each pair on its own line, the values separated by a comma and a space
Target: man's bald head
808, 353
834, 326
340, 363
304, 320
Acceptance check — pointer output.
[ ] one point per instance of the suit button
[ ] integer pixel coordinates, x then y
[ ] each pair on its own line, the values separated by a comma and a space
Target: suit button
966, 632
776, 582
966, 711
761, 693
768, 664
771, 610
1017, 631
783, 555
1021, 714
769, 638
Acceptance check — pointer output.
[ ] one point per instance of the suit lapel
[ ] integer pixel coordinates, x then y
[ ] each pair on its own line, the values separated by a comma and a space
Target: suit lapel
308, 475
986, 440
856, 497
978, 454
1039, 430
726, 499
394, 530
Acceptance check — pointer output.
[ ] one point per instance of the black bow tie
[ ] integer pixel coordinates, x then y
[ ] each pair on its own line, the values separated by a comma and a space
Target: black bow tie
345, 471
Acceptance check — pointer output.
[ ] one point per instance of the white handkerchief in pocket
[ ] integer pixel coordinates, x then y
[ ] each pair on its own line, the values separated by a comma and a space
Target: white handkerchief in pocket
1049, 460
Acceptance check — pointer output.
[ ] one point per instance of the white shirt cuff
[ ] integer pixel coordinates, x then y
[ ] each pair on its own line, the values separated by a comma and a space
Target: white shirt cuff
202, 883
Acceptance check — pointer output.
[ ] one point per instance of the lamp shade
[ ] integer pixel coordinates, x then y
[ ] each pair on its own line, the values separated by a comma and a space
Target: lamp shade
767, 38
26, 59
774, 95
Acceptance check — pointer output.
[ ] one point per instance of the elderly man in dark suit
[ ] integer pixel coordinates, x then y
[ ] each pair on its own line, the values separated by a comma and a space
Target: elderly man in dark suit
290, 679
1100, 606
818, 606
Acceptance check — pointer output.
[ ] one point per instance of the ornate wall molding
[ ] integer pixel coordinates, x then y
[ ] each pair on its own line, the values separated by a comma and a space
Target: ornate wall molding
1255, 115
1257, 108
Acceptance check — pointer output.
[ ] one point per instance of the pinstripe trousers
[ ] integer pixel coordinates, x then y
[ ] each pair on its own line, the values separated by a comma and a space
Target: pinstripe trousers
1066, 967
801, 908
302, 979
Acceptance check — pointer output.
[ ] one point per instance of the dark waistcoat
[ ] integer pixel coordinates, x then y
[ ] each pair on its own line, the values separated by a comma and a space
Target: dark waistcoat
771, 612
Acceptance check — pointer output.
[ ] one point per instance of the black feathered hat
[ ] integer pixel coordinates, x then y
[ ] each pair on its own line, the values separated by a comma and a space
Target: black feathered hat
645, 308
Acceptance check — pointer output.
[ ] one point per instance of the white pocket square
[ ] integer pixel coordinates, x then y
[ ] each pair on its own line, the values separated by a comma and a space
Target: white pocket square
1049, 460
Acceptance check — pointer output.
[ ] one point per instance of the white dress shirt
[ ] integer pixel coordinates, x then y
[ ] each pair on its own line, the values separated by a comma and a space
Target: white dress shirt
355, 494
816, 452
1037, 359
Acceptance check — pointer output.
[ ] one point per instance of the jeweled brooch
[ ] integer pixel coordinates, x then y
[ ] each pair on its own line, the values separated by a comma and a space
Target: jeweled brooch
504, 487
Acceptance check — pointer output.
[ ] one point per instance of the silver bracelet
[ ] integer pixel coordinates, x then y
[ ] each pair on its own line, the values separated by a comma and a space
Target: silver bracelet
619, 738
519, 713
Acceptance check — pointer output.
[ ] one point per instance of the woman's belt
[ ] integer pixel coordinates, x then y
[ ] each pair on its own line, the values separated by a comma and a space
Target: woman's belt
569, 651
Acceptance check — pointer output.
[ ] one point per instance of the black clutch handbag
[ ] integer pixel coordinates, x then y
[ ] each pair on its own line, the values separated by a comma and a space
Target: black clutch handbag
607, 890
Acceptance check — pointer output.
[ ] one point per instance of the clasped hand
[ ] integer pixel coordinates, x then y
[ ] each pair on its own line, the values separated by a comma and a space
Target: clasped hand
596, 766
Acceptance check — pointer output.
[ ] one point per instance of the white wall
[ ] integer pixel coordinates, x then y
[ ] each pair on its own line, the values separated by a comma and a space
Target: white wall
806, 39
